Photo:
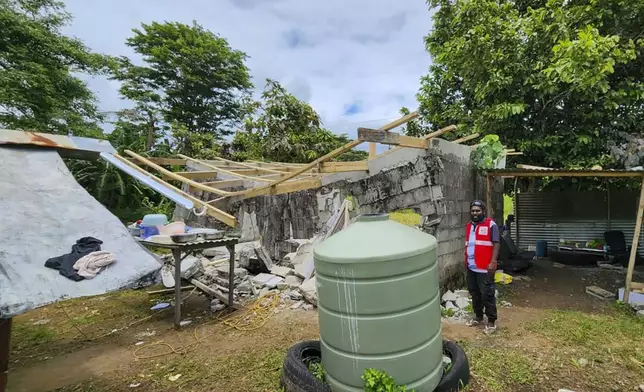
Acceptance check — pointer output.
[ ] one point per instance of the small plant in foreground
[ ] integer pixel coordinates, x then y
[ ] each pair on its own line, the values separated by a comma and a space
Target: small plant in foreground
378, 381
447, 312
317, 370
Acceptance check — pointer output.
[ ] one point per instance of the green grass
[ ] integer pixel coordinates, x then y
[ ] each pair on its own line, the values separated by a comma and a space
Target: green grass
500, 369
600, 337
25, 336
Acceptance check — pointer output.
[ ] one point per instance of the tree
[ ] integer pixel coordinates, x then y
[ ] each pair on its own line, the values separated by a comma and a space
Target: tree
556, 79
38, 89
285, 129
191, 77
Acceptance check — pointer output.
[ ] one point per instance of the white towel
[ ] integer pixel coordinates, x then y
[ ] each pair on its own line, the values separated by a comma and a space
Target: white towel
90, 265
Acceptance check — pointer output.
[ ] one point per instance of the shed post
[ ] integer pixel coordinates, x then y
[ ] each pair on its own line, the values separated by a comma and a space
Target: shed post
488, 201
5, 337
636, 239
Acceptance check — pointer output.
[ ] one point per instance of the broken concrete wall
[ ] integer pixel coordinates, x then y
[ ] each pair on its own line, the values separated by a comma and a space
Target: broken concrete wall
438, 183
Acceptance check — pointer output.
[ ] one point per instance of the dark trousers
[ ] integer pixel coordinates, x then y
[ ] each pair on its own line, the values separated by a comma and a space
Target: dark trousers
482, 290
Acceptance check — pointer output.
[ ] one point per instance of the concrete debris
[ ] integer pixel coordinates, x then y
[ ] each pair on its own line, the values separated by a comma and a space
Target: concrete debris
462, 293
449, 296
496, 293
224, 272
281, 271
598, 292
640, 313
244, 257
216, 305
292, 281
641, 388
288, 259
264, 256
295, 295
615, 267
521, 277
462, 303
449, 305
216, 253
297, 305
300, 270
41, 322
309, 291
190, 266
267, 280
558, 265
307, 307
250, 230
506, 304
183, 323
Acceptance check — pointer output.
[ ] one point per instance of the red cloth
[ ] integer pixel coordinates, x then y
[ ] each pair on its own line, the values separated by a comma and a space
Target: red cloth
483, 246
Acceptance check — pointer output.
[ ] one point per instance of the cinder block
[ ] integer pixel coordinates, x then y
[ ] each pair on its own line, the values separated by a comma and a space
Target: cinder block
414, 182
437, 192
427, 208
422, 194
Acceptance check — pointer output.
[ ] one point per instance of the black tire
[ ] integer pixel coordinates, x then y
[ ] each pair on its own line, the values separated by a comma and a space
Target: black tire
296, 376
458, 375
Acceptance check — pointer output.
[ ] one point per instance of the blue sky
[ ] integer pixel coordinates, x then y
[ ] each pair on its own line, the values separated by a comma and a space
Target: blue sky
356, 62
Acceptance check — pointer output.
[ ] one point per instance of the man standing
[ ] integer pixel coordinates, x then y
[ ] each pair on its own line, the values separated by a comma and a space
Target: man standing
481, 253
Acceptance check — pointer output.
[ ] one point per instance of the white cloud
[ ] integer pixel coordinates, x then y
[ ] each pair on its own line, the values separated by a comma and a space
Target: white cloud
332, 54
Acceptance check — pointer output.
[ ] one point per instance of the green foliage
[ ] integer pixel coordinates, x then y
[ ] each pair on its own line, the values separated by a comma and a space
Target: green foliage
445, 312
378, 381
284, 129
318, 370
39, 90
192, 80
555, 79
488, 152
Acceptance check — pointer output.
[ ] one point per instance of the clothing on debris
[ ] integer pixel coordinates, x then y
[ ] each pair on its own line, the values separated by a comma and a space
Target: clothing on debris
65, 263
89, 266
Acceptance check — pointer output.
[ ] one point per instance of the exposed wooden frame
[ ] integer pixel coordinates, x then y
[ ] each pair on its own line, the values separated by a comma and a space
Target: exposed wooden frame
466, 138
636, 238
224, 171
391, 138
389, 127
427, 137
175, 176
210, 210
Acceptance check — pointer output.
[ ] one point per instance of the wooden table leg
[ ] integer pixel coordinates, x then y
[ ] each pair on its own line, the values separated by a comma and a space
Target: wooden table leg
5, 337
231, 276
176, 253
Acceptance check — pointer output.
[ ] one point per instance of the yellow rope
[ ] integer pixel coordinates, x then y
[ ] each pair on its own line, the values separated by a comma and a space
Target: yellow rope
253, 318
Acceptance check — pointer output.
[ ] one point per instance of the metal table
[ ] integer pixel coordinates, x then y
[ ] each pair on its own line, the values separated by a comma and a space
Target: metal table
191, 247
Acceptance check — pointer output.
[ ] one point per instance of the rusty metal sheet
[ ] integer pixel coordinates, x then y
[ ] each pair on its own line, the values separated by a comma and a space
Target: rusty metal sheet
67, 146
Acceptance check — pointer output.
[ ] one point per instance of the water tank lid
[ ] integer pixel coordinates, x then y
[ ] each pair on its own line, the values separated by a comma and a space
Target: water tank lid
374, 238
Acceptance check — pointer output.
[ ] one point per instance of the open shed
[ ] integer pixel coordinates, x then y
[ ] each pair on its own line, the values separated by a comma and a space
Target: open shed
551, 216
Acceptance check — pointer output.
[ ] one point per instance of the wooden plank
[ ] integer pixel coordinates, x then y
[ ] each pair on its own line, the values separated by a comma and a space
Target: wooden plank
213, 292
260, 169
510, 173
331, 155
210, 210
427, 137
396, 123
225, 183
220, 170
637, 286
286, 187
488, 196
337, 167
636, 239
168, 161
390, 138
530, 167
466, 138
514, 153
194, 175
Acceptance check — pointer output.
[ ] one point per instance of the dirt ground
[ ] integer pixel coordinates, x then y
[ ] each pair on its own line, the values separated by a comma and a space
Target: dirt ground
553, 336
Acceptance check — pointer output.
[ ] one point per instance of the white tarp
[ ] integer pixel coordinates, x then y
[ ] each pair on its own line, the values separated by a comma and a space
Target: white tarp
43, 212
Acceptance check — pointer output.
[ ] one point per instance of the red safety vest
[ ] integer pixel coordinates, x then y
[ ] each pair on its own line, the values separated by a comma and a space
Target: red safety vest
483, 246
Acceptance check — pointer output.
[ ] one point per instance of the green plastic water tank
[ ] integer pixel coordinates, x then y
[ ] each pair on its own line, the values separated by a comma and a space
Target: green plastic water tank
378, 305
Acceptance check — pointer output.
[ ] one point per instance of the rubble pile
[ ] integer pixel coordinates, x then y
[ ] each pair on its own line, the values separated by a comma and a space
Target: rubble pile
256, 274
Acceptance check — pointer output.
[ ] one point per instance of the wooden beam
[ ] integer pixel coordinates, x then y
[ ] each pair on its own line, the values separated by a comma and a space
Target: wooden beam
388, 127
514, 153
530, 167
637, 286
220, 170
466, 138
331, 155
636, 239
488, 196
286, 187
260, 169
337, 167
441, 131
210, 210
390, 138
550, 173
168, 161
225, 183
194, 175
175, 176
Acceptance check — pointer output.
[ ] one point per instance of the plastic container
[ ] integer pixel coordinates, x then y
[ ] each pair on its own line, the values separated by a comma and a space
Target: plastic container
542, 248
379, 305
154, 220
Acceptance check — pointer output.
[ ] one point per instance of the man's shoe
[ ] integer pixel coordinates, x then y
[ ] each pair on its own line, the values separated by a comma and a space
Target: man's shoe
490, 328
474, 322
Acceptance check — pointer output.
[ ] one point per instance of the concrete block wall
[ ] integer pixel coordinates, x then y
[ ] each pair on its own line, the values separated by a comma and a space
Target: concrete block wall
438, 183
